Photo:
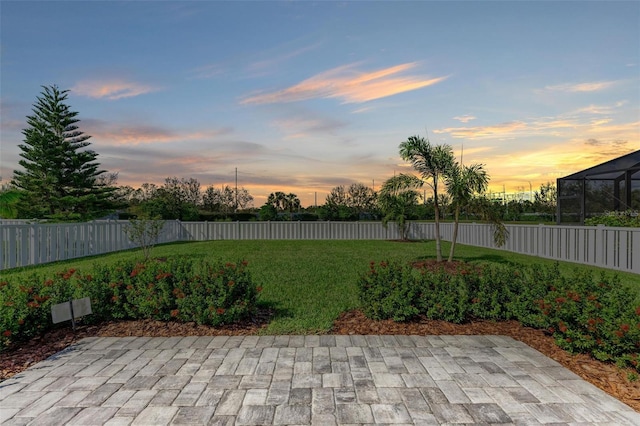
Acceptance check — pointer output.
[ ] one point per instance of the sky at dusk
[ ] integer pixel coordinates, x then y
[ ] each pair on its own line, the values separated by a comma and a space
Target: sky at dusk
304, 96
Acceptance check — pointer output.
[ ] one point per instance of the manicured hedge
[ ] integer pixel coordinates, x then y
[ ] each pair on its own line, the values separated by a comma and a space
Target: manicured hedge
584, 313
181, 289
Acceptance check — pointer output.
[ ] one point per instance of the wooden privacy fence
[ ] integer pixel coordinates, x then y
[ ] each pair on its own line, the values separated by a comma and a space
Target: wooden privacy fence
204, 231
31, 244
607, 247
36, 243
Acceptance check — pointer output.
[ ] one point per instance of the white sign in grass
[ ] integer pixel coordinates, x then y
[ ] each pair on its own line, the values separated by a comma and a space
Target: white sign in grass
71, 310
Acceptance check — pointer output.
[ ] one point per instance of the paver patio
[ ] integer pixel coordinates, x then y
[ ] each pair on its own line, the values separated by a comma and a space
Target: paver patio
286, 380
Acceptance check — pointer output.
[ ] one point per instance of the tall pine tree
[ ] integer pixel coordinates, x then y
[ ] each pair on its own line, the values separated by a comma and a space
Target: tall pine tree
60, 176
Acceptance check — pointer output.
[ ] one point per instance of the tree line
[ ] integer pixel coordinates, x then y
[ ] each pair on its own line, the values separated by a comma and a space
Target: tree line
61, 180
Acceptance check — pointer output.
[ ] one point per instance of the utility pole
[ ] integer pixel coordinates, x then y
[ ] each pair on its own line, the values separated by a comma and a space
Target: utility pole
236, 189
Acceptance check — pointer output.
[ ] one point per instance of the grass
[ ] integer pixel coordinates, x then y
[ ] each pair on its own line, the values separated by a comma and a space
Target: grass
309, 283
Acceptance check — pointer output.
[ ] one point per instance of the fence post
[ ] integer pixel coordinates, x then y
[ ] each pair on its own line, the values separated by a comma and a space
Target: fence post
601, 245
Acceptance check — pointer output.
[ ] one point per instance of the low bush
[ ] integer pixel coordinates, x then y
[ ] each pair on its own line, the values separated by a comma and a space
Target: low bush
595, 316
389, 291
627, 218
174, 289
584, 314
444, 296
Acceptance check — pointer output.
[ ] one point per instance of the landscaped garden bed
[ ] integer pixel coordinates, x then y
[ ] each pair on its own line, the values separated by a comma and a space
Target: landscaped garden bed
311, 287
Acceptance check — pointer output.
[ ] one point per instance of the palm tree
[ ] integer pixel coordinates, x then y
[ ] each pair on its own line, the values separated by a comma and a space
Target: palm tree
433, 163
462, 183
292, 202
397, 198
284, 202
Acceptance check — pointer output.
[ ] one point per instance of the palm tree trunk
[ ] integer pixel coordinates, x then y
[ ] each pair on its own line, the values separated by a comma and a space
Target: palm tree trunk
438, 245
455, 234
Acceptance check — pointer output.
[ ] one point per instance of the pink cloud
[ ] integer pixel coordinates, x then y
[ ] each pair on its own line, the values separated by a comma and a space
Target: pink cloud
465, 118
126, 134
593, 86
477, 132
111, 89
348, 84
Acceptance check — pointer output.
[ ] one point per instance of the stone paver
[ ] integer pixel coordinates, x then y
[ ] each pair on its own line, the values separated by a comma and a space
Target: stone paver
310, 380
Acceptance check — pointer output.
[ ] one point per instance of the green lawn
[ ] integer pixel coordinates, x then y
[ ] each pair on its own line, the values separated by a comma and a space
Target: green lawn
309, 283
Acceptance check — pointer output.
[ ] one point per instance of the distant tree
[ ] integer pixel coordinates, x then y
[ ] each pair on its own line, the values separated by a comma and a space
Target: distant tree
513, 210
397, 200
292, 203
336, 212
546, 199
284, 202
433, 163
277, 200
224, 199
184, 191
348, 204
126, 193
244, 199
60, 177
268, 212
216, 200
147, 191
336, 206
109, 179
361, 198
337, 196
175, 199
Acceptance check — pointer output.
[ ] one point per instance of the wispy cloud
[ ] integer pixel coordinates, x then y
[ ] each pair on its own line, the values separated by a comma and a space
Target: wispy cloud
207, 71
599, 109
305, 125
124, 134
593, 86
276, 59
480, 132
563, 125
465, 118
363, 109
111, 89
238, 66
545, 126
349, 84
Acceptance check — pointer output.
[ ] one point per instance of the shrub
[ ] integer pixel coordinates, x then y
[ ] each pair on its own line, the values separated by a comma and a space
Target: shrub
493, 291
389, 290
628, 218
444, 296
217, 294
595, 316
182, 289
584, 314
